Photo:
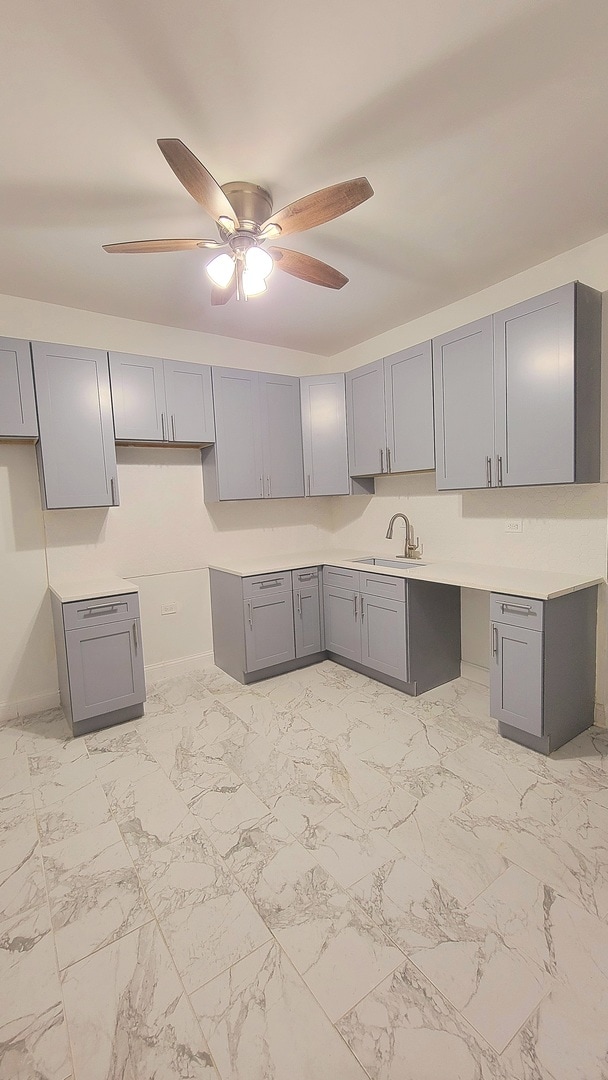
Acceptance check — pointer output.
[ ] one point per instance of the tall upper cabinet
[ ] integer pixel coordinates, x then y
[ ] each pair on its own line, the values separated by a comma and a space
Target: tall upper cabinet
17, 403
324, 434
258, 437
517, 395
161, 401
390, 414
76, 453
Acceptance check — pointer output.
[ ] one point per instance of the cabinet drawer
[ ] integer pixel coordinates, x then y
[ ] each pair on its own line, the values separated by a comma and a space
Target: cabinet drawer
101, 609
338, 576
382, 585
262, 584
517, 611
309, 575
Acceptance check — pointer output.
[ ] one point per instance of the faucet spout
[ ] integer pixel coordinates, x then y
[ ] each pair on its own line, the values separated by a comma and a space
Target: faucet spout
411, 550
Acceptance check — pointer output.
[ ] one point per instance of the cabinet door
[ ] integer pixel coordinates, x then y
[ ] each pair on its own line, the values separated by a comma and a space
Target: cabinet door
238, 446
323, 400
269, 635
281, 436
307, 620
516, 677
341, 614
105, 668
17, 404
534, 384
464, 404
383, 635
365, 420
189, 402
138, 397
76, 449
408, 395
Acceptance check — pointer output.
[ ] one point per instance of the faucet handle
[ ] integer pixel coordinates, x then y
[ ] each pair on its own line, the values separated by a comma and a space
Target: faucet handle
414, 551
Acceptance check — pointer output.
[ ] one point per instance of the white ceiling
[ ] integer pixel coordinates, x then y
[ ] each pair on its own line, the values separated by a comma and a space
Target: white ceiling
481, 125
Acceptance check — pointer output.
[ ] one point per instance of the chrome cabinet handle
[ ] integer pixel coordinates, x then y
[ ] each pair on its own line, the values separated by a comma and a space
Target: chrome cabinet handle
135, 638
173, 426
499, 469
308, 484
113, 490
299, 603
488, 472
388, 459
362, 610
356, 599
494, 641
516, 607
271, 583
162, 425
382, 461
307, 577
269, 488
261, 487
250, 614
101, 607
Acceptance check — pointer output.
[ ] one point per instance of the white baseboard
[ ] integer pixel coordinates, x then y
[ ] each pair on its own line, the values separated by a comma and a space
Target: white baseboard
475, 673
10, 710
156, 672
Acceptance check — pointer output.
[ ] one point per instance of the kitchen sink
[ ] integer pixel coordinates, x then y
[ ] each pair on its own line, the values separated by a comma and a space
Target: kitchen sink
399, 564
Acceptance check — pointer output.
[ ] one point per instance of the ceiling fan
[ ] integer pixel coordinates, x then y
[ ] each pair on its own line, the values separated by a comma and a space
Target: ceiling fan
245, 222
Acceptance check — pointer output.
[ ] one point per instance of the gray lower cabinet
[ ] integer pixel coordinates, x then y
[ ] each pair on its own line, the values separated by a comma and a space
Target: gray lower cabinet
269, 630
100, 660
76, 452
161, 401
542, 667
18, 418
324, 442
383, 635
342, 627
258, 437
517, 394
307, 618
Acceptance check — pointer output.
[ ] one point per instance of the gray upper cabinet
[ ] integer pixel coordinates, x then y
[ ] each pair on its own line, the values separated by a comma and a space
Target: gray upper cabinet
258, 437
517, 395
76, 451
323, 400
408, 397
464, 395
17, 403
390, 414
161, 401
365, 420
281, 436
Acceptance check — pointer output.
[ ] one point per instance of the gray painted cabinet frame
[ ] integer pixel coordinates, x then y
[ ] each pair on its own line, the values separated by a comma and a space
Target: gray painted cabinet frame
161, 401
18, 418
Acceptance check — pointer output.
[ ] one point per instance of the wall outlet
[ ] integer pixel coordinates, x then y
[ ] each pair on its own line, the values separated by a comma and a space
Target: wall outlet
168, 609
514, 526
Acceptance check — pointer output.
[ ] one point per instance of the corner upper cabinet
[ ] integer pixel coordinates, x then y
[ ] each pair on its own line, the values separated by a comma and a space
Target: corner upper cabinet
390, 414
17, 402
76, 453
517, 395
161, 401
258, 437
323, 400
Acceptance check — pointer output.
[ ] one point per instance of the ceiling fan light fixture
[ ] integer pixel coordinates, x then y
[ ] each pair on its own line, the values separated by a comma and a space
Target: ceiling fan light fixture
227, 224
253, 283
258, 262
221, 270
271, 231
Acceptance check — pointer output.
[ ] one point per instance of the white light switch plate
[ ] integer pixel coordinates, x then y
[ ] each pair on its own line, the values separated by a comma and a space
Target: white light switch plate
168, 609
515, 526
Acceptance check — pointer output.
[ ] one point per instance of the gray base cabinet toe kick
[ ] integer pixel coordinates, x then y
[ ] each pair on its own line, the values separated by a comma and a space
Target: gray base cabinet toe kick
266, 623
542, 667
100, 660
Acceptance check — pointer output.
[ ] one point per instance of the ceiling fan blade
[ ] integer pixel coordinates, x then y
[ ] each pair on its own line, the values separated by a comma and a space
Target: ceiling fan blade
142, 246
196, 179
307, 268
321, 206
222, 296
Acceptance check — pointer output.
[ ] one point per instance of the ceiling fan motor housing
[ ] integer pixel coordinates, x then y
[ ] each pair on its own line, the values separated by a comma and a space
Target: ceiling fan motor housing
252, 203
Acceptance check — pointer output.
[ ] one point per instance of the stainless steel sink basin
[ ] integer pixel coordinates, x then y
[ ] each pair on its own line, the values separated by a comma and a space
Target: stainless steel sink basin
399, 564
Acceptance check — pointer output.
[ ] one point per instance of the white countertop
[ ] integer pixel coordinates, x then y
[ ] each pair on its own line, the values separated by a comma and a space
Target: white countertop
535, 584
67, 590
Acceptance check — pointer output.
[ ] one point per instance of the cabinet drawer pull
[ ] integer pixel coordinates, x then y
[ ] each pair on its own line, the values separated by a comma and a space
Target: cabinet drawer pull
173, 426
499, 469
489, 472
494, 641
388, 459
250, 612
101, 607
306, 577
299, 603
362, 609
271, 584
356, 599
516, 607
382, 461
135, 637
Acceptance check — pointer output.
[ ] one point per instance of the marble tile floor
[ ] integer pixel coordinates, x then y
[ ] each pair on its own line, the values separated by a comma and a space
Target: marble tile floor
311, 877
